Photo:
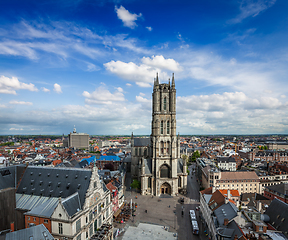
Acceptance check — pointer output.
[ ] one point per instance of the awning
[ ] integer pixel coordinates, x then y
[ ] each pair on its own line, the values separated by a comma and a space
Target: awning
118, 211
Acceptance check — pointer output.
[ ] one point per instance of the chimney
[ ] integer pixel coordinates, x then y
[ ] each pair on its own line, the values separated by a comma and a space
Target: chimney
259, 206
228, 194
213, 189
226, 221
12, 226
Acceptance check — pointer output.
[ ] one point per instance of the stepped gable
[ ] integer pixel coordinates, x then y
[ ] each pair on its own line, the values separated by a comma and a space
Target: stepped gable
55, 182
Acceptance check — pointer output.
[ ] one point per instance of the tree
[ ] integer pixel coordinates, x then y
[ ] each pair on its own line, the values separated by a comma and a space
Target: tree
195, 155
135, 184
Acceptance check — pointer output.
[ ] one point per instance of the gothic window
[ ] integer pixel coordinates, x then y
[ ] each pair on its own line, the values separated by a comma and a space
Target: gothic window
136, 151
162, 147
149, 182
164, 171
161, 127
164, 103
168, 127
168, 147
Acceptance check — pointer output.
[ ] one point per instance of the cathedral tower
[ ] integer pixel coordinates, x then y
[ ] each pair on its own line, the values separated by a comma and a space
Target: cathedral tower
157, 161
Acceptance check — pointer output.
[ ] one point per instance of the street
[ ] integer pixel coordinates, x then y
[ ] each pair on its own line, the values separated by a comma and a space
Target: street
167, 211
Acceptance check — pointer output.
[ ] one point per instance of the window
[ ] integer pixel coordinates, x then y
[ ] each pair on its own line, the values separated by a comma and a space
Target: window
86, 219
95, 184
78, 225
164, 171
28, 218
149, 182
95, 226
60, 228
79, 237
107, 200
91, 230
107, 213
164, 103
168, 127
34, 219
90, 216
136, 151
100, 220
161, 127
45, 220
99, 208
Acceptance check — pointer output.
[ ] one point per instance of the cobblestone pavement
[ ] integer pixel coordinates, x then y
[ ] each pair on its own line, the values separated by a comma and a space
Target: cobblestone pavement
163, 210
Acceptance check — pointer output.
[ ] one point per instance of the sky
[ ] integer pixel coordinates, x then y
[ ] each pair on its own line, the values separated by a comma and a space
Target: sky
92, 63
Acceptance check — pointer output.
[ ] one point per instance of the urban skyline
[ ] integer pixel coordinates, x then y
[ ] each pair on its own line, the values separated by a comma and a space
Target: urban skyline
92, 65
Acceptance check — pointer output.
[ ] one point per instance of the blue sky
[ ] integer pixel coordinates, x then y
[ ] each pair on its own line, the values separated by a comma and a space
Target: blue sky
92, 63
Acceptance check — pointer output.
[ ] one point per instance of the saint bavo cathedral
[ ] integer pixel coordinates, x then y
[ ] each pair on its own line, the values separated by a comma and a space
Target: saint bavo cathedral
156, 161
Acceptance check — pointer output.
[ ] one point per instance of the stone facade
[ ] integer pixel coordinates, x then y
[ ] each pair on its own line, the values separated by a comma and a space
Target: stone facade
156, 161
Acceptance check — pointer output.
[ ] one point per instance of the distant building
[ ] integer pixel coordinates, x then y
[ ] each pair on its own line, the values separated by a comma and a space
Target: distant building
279, 191
78, 140
227, 163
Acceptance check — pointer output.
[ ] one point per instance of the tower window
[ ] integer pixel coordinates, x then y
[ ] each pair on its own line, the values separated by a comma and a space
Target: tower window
168, 127
161, 127
165, 104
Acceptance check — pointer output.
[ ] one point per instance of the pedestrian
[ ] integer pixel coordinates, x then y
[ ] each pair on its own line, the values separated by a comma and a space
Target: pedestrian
169, 206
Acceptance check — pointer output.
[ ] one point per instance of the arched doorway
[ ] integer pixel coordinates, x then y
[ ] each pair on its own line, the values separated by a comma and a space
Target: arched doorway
165, 188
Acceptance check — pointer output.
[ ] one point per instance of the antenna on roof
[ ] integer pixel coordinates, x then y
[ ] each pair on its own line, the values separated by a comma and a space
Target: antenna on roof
74, 129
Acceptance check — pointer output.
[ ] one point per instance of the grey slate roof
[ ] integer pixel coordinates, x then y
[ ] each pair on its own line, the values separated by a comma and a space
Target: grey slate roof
228, 211
148, 166
28, 202
225, 159
72, 204
281, 188
278, 213
141, 142
180, 165
37, 232
55, 182
45, 209
7, 175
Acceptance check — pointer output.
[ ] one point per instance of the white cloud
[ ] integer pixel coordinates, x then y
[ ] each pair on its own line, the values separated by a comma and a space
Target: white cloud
20, 103
57, 88
143, 74
102, 95
231, 112
10, 85
45, 89
142, 99
91, 67
162, 63
149, 29
252, 8
16, 129
127, 18
128, 84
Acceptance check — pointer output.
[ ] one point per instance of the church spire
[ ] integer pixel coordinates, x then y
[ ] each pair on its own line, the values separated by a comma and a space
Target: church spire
173, 81
157, 79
